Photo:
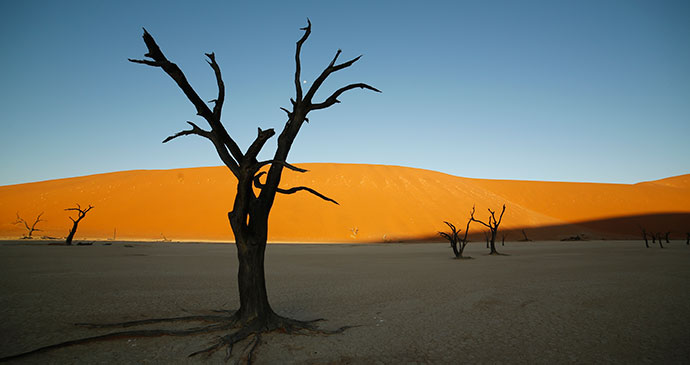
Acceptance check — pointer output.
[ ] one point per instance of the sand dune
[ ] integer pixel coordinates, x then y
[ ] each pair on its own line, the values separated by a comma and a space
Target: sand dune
377, 204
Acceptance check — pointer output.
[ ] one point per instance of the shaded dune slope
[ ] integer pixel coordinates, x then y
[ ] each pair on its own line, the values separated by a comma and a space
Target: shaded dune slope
377, 204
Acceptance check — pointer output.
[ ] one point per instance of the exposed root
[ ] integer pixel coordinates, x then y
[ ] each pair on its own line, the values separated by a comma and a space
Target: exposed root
255, 328
205, 318
252, 329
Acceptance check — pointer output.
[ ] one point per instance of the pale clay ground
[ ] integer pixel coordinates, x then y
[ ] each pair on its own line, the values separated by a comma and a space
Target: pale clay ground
548, 302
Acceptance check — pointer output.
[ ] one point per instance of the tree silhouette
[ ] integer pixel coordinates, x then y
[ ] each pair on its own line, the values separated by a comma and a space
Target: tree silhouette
456, 243
249, 215
525, 239
644, 236
30, 228
492, 225
81, 213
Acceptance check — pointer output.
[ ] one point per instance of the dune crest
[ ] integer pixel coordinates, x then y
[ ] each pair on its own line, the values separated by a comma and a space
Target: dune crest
377, 204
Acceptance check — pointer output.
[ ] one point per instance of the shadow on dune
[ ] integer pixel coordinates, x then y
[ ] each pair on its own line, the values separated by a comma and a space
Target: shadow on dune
627, 227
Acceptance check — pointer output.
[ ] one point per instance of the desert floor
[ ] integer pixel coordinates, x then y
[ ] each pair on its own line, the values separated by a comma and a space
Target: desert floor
548, 302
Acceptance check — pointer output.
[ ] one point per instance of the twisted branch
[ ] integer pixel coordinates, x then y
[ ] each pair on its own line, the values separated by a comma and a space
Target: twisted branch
221, 86
333, 99
221, 138
260, 185
298, 66
195, 130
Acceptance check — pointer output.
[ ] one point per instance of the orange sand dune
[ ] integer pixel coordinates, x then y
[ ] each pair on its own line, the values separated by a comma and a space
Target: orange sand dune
377, 204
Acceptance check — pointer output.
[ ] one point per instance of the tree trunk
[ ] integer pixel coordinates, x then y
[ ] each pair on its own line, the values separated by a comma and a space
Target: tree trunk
251, 280
72, 232
493, 243
454, 246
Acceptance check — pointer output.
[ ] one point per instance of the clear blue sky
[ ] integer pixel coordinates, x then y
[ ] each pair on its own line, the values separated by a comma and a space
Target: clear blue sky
538, 90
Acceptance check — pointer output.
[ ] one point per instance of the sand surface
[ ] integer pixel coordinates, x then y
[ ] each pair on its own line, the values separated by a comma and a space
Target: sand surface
548, 302
377, 204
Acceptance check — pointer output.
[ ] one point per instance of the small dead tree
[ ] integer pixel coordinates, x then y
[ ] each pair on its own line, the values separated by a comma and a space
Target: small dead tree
644, 236
657, 237
456, 243
492, 225
687, 238
254, 199
525, 239
503, 239
81, 213
666, 237
30, 228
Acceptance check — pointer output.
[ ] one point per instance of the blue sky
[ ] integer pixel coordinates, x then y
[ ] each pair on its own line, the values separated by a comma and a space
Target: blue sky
595, 91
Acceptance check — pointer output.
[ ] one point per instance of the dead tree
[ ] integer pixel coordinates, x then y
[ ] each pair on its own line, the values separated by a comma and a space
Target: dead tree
249, 215
492, 225
666, 237
250, 212
503, 239
456, 243
526, 239
644, 236
81, 213
30, 228
687, 238
657, 237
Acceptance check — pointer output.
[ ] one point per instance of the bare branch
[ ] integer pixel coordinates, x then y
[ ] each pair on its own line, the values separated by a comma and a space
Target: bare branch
202, 109
332, 67
221, 86
260, 185
195, 130
285, 164
344, 64
258, 143
289, 113
146, 62
476, 220
310, 190
21, 220
298, 65
500, 217
333, 99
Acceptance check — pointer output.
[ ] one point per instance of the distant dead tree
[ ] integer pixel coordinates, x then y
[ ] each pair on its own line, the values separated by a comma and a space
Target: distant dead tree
254, 199
503, 239
456, 243
81, 213
666, 237
687, 238
657, 237
492, 225
644, 236
525, 239
30, 228
487, 236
